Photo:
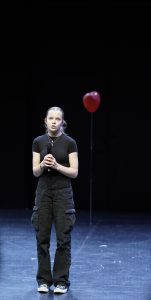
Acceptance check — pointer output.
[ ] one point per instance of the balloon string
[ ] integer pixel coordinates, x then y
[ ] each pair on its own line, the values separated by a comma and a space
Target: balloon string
91, 164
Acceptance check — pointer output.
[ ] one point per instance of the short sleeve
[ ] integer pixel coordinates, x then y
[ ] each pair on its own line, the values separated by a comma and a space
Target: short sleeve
35, 146
73, 146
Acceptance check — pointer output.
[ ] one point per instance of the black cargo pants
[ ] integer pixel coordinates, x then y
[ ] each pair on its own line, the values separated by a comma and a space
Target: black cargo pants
53, 206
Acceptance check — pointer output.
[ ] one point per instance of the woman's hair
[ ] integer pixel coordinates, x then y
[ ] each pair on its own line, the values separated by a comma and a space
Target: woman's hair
64, 123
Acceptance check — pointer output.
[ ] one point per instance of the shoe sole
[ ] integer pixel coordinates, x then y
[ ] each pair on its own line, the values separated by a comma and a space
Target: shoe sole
60, 292
42, 291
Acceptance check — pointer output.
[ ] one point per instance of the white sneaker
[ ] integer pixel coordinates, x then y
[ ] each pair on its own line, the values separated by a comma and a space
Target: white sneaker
60, 289
43, 288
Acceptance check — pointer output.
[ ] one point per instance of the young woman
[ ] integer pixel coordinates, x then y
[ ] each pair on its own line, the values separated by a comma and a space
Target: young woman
55, 163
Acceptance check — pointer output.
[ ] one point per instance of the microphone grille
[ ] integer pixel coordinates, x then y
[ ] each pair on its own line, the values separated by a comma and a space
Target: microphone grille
49, 148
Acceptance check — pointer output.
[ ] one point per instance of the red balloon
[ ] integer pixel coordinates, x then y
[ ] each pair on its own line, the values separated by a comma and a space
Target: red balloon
91, 101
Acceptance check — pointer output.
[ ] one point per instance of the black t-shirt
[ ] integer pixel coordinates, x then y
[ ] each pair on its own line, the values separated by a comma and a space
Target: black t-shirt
61, 148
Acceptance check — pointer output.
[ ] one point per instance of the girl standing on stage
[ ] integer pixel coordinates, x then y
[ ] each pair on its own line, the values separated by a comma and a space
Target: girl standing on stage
55, 163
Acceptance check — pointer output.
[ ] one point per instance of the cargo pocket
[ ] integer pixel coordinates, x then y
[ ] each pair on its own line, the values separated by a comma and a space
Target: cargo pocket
35, 218
70, 219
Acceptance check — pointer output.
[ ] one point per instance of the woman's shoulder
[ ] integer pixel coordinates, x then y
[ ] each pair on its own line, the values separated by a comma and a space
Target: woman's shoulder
40, 138
68, 137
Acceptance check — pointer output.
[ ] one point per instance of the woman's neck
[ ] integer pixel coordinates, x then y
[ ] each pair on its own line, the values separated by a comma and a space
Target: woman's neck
57, 134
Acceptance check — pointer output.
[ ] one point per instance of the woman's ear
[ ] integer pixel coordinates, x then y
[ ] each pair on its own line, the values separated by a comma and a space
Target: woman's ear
45, 122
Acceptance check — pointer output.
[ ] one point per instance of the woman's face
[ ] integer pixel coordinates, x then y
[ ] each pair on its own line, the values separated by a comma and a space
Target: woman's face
54, 121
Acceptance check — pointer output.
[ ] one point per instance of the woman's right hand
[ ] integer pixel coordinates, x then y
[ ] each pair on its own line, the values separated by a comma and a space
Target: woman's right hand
46, 162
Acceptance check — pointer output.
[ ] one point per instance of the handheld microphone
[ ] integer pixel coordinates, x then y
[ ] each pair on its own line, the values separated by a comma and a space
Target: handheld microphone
49, 151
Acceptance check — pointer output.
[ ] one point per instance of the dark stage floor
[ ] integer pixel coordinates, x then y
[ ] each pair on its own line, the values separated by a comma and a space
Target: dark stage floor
111, 259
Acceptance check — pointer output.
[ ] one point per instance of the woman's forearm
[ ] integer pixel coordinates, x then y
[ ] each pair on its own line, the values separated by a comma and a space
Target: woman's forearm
38, 170
67, 171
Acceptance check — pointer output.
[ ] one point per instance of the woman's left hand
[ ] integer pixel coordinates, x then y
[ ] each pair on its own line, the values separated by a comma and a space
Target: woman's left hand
53, 162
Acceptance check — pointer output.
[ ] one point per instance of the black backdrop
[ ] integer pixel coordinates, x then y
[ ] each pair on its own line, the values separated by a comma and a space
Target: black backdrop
53, 53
